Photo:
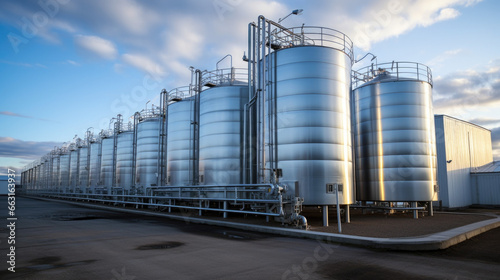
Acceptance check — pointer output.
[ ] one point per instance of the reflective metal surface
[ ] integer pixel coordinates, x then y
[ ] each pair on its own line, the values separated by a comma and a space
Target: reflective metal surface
147, 169
53, 174
106, 178
95, 164
63, 172
73, 169
124, 159
179, 142
43, 175
221, 134
83, 177
395, 140
313, 122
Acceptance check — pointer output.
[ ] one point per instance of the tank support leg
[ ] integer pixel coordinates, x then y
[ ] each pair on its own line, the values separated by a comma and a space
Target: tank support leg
225, 208
347, 214
325, 215
431, 209
339, 222
415, 212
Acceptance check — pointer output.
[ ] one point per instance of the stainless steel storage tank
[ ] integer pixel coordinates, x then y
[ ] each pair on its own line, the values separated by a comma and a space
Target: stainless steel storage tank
311, 115
124, 160
43, 175
95, 164
83, 172
73, 169
394, 133
107, 164
64, 172
54, 173
148, 150
221, 129
37, 176
180, 138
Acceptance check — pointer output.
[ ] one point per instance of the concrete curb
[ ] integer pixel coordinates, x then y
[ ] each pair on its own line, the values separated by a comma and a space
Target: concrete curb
436, 241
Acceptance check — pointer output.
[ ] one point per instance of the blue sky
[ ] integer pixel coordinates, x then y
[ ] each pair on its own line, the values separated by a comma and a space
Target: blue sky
68, 65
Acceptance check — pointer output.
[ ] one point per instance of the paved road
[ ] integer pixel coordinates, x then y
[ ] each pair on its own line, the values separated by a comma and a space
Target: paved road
60, 241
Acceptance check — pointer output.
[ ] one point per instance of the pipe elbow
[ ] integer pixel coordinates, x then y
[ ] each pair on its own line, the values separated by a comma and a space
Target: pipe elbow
303, 221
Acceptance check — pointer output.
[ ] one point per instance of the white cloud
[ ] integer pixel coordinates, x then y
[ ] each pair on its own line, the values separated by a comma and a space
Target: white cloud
145, 64
467, 91
438, 60
445, 14
74, 63
131, 16
381, 19
15, 148
97, 46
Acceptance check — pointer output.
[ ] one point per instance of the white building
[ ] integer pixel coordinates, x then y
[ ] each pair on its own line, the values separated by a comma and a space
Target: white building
462, 148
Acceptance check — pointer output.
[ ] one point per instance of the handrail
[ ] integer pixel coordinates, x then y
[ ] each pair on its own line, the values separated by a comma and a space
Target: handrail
154, 112
313, 35
180, 93
224, 76
401, 70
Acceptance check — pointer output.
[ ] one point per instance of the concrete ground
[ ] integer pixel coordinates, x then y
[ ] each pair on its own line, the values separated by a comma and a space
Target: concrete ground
60, 241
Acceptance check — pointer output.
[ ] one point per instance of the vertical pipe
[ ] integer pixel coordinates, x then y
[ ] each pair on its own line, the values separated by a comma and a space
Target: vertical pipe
269, 97
431, 209
275, 90
325, 215
415, 212
347, 214
253, 120
339, 222
263, 97
225, 208
134, 148
245, 148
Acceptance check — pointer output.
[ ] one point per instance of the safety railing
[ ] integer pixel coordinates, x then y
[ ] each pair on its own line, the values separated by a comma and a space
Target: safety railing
228, 76
402, 70
312, 35
153, 112
180, 93
259, 199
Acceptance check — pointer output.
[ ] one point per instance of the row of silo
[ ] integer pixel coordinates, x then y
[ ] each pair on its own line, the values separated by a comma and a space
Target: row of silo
289, 122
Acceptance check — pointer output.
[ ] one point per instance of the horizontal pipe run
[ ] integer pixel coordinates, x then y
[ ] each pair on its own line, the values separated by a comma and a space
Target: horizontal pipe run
387, 207
179, 206
163, 197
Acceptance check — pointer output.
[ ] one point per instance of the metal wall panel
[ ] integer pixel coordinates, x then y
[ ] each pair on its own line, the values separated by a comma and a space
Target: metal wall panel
107, 162
95, 164
486, 188
124, 160
83, 172
73, 169
466, 146
313, 121
395, 140
179, 142
221, 134
148, 152
64, 172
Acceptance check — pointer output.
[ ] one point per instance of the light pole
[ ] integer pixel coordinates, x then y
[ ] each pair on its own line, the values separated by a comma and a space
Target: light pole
294, 12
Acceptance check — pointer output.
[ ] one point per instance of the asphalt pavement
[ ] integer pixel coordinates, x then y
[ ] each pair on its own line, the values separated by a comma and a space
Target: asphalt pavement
55, 240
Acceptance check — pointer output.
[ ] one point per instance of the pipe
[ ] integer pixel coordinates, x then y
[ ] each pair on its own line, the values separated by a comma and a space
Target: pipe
415, 212
303, 221
263, 95
325, 215
339, 222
